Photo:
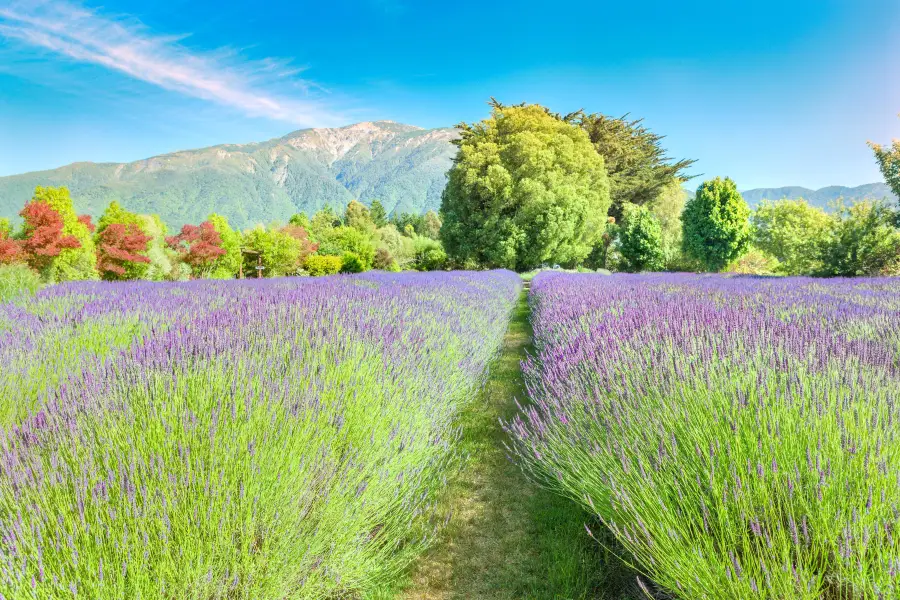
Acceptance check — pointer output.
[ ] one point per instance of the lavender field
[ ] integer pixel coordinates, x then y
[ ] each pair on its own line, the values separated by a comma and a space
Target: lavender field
273, 439
738, 435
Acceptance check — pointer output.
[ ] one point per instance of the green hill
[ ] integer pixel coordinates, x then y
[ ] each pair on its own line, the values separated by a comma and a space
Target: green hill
822, 198
401, 165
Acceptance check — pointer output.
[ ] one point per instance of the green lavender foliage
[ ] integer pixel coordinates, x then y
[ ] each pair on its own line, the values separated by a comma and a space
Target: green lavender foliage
17, 280
737, 435
236, 440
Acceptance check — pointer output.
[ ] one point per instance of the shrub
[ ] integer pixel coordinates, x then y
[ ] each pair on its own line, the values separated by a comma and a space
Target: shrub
317, 265
16, 280
755, 262
715, 226
862, 241
351, 263
384, 260
252, 440
429, 255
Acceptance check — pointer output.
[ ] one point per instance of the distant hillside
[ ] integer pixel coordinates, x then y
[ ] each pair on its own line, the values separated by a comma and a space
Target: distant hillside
821, 198
401, 165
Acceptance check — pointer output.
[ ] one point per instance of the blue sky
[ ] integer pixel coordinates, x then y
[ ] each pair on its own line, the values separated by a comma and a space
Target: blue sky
768, 92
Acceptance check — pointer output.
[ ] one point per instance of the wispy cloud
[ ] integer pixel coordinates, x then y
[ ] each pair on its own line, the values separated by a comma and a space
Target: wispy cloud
126, 46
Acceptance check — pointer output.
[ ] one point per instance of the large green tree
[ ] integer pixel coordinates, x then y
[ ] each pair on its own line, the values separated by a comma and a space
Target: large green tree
640, 239
716, 229
793, 231
639, 169
526, 188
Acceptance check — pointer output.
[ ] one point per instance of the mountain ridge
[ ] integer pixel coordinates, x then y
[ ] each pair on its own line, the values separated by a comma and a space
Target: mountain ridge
403, 166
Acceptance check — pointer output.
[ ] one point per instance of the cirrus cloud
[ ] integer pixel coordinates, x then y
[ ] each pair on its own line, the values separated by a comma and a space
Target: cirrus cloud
128, 47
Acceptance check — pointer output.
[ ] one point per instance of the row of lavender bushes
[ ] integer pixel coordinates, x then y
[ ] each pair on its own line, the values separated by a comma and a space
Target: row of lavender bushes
244, 440
740, 437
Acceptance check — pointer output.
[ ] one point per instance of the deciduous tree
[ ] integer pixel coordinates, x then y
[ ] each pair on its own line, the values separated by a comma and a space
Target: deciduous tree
279, 252
121, 251
716, 229
228, 264
76, 262
198, 247
121, 244
43, 238
640, 239
525, 189
862, 241
431, 225
888, 158
358, 217
793, 232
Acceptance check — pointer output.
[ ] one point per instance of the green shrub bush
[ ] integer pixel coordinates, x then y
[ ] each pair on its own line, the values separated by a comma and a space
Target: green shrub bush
323, 265
351, 263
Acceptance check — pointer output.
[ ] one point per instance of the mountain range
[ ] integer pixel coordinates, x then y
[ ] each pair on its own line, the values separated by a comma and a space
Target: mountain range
403, 166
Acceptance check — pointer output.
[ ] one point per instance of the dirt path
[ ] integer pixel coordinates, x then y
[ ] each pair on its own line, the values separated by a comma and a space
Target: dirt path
508, 538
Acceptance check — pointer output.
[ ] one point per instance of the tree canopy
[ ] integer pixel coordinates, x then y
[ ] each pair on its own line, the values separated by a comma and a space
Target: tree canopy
526, 188
640, 239
74, 262
638, 167
716, 229
888, 158
862, 241
793, 232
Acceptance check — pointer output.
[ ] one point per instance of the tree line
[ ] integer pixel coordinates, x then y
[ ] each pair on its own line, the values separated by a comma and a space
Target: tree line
532, 188
56, 244
528, 188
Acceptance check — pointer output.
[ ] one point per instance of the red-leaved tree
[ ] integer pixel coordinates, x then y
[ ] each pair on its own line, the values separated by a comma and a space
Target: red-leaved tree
86, 221
119, 251
10, 250
198, 246
44, 238
307, 246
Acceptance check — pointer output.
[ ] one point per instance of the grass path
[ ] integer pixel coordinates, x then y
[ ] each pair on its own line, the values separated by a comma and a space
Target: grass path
508, 538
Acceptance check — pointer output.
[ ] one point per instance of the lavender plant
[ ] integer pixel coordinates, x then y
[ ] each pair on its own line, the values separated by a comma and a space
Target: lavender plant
273, 439
739, 436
